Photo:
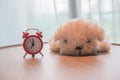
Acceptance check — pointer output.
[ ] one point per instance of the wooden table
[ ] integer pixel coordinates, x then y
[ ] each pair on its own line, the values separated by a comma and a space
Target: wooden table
56, 67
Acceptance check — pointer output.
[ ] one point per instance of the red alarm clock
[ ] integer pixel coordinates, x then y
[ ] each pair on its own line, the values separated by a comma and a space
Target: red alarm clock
32, 43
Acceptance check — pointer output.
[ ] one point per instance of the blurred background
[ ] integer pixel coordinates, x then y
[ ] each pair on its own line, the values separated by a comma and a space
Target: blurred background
46, 15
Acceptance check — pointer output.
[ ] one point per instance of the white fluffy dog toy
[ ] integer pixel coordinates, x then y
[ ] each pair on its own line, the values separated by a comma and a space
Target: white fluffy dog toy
79, 37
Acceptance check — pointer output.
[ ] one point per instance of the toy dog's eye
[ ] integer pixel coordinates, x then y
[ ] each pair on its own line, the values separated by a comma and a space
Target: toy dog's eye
88, 41
65, 41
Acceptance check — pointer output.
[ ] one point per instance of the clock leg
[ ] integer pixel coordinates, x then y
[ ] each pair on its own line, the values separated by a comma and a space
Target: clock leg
24, 55
33, 56
41, 54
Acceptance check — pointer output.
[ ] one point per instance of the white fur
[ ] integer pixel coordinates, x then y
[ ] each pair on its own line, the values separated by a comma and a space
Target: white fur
76, 33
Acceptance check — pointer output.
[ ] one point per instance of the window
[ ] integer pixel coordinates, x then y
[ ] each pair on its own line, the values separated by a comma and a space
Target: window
103, 12
18, 15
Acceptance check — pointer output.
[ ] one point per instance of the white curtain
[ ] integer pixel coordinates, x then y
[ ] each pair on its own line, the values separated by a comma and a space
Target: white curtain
46, 15
13, 20
18, 15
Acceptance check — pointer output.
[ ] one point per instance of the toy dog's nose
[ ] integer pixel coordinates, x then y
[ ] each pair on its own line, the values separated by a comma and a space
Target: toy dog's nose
79, 47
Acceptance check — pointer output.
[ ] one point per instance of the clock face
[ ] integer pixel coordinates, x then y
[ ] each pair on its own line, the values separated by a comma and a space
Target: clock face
32, 44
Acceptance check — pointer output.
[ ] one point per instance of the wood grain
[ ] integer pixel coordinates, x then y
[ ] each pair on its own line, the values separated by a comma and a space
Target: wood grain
57, 67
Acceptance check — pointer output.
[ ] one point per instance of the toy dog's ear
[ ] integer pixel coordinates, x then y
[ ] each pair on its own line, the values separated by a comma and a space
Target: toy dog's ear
59, 34
101, 34
97, 32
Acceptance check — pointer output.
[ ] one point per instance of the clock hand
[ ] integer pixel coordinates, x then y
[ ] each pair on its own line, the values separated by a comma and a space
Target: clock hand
32, 43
